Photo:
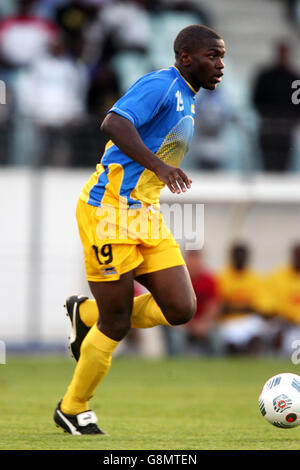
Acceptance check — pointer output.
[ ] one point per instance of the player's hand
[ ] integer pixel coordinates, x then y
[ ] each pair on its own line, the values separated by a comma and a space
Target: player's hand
175, 178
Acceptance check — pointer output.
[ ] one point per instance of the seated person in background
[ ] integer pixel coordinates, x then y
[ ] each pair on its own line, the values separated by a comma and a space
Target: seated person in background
24, 36
243, 294
200, 328
284, 284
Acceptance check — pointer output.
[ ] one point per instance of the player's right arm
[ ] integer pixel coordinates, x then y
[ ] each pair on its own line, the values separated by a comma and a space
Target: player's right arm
125, 136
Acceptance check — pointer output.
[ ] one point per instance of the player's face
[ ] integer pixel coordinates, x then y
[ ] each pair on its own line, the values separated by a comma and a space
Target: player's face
206, 64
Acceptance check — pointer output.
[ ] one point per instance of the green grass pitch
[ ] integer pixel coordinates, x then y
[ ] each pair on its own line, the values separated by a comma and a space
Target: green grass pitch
174, 404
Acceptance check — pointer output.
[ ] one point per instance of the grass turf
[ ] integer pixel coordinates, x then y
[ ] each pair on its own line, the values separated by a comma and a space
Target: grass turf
174, 404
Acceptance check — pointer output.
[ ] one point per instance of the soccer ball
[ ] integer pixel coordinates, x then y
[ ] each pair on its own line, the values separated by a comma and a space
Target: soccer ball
279, 400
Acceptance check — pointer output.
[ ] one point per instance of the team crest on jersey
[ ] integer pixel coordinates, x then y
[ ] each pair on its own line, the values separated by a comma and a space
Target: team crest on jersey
109, 271
281, 403
192, 108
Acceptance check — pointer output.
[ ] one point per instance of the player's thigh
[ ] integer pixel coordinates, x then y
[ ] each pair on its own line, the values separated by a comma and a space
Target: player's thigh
164, 273
114, 300
105, 260
109, 271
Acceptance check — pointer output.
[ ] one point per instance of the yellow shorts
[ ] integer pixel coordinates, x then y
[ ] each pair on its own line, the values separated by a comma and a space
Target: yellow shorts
106, 259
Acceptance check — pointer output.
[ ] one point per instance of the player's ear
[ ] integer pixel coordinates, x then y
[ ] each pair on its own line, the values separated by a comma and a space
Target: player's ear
185, 58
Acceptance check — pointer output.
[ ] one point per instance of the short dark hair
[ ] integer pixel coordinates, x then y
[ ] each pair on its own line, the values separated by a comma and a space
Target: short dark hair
191, 37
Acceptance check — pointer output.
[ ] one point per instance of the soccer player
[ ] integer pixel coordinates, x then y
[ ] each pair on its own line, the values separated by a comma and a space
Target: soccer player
121, 228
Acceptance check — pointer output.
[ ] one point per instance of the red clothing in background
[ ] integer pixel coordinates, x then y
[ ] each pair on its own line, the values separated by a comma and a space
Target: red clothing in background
205, 287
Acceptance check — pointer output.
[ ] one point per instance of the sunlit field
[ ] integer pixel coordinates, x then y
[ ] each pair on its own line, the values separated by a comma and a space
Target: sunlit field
169, 404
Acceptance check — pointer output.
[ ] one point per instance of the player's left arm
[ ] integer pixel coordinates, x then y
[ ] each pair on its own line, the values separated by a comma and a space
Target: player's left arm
126, 137
149, 96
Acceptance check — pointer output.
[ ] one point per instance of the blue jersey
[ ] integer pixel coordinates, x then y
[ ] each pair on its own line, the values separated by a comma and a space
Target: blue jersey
161, 107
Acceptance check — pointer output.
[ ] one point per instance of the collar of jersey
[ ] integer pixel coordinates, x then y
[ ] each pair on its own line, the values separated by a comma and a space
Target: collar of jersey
185, 81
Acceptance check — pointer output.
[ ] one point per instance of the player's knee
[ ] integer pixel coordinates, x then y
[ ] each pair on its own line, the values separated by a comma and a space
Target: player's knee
116, 328
182, 312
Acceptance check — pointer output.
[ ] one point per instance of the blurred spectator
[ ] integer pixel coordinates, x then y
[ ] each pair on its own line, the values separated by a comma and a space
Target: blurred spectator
75, 18
152, 6
213, 114
122, 26
195, 7
118, 39
52, 95
6, 118
243, 295
5, 132
293, 11
24, 36
272, 99
201, 328
7, 7
103, 90
53, 89
128, 26
285, 290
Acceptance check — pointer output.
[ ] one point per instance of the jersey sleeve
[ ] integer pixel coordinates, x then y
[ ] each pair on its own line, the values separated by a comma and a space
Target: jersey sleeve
143, 100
